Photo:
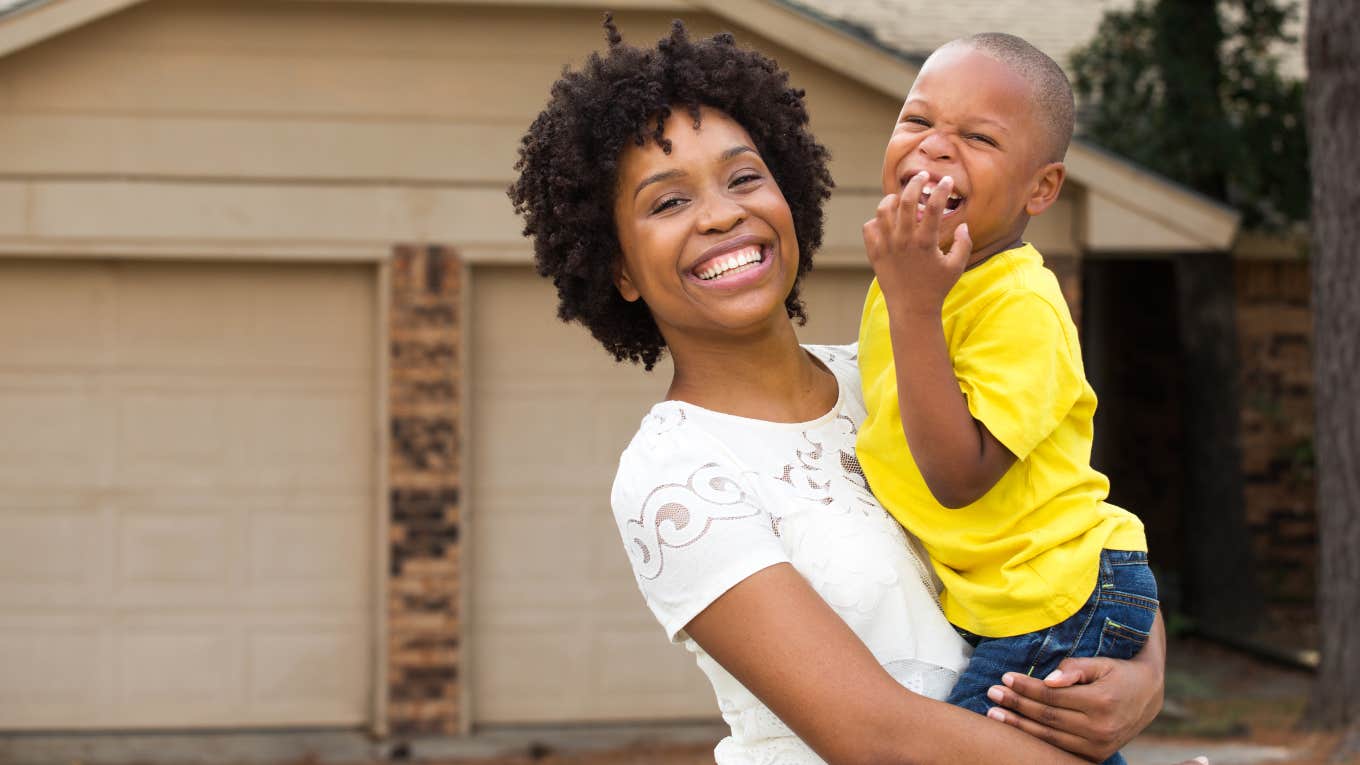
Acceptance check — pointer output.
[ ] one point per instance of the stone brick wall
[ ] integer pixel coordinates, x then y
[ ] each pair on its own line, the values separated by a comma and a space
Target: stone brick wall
423, 589
1274, 345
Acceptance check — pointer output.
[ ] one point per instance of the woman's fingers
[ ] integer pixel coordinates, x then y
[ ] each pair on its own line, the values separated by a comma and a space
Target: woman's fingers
1040, 708
1059, 738
1037, 691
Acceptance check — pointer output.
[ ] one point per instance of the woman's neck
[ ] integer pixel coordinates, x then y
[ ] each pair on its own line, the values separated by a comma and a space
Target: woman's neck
767, 378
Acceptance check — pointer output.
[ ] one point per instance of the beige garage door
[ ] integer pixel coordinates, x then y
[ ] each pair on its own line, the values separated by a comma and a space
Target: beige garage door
559, 631
186, 459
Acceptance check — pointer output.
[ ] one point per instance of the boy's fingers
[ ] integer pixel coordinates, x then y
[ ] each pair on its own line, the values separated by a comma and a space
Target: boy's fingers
873, 237
886, 213
911, 195
962, 246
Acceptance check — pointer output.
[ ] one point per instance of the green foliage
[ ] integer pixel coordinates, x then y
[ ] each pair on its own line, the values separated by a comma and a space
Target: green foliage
1192, 90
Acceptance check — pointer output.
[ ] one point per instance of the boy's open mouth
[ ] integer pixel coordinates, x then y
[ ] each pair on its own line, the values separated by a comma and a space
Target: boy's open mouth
950, 204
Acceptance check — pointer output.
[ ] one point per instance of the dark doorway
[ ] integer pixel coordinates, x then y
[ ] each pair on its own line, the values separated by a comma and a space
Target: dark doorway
1132, 348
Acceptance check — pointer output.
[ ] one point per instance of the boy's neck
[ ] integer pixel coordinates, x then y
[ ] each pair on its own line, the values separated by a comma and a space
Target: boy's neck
1014, 237
982, 256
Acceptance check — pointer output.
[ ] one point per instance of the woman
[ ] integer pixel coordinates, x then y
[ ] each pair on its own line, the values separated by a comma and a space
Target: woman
674, 196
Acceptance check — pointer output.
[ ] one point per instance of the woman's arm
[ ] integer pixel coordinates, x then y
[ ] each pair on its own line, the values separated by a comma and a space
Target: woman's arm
1095, 707
784, 643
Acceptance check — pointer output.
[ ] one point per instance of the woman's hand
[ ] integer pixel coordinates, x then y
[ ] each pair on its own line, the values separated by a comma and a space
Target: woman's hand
1090, 706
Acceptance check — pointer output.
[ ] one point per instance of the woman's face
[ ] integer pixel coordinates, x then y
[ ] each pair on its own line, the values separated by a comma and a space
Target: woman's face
707, 238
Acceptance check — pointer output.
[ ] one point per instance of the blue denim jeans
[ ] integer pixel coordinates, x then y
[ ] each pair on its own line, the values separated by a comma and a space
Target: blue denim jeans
1114, 623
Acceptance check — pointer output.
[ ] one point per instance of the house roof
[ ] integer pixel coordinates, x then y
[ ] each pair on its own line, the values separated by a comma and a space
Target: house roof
917, 27
848, 44
1057, 27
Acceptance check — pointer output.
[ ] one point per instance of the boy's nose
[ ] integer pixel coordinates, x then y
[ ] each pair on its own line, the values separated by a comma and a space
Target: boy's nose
936, 146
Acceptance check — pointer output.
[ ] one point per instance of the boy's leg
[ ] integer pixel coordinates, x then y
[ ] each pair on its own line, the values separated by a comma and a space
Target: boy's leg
1127, 606
1033, 653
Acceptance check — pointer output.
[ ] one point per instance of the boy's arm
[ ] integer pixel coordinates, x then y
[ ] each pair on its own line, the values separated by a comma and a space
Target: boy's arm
958, 457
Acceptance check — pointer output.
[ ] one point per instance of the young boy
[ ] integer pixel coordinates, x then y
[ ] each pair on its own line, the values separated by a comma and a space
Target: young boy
996, 480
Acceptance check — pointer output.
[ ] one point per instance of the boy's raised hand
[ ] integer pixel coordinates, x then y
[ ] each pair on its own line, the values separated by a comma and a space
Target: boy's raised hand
902, 242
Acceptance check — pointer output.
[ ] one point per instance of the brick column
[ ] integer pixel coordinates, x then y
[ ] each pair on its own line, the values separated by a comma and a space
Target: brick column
1275, 334
423, 462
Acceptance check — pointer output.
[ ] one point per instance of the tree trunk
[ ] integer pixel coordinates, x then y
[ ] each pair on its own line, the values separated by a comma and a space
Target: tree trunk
1219, 589
1334, 138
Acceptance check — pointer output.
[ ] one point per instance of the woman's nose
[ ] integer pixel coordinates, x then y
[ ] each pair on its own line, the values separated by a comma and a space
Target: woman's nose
720, 213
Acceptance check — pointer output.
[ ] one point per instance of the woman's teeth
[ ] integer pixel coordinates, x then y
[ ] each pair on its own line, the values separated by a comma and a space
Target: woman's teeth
729, 262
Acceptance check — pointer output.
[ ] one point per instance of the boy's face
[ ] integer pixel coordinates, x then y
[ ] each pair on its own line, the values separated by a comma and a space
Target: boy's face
971, 117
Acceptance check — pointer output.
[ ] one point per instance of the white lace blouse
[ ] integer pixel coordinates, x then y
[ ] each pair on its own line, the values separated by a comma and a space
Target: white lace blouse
704, 499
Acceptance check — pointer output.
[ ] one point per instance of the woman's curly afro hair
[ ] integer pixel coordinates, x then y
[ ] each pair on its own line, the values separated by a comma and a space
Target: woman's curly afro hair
569, 162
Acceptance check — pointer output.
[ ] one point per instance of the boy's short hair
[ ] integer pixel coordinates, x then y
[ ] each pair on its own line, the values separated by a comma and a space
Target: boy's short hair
1055, 108
569, 159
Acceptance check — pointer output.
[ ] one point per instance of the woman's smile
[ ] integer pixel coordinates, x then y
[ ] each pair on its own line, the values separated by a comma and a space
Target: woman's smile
725, 264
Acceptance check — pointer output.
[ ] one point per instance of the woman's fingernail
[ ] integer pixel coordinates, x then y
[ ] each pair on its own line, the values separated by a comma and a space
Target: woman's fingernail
996, 714
994, 693
1008, 679
1055, 675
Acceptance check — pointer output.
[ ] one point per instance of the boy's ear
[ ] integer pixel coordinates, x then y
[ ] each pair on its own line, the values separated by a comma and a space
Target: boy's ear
623, 282
1048, 182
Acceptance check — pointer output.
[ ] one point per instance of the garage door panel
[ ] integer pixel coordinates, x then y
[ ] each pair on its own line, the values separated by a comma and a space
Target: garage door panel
561, 434
53, 427
307, 669
166, 427
186, 495
48, 554
170, 666
319, 557
304, 319
316, 427
188, 551
52, 666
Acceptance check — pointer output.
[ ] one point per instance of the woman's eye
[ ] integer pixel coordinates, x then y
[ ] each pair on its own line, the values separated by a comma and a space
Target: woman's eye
666, 204
745, 178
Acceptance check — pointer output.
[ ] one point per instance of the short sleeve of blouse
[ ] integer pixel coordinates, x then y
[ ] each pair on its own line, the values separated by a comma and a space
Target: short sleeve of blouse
691, 521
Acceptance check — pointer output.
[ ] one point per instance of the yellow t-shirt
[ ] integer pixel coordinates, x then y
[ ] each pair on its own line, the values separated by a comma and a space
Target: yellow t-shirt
1025, 556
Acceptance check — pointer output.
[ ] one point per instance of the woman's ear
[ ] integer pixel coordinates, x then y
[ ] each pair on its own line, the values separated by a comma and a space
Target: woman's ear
1048, 182
623, 282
